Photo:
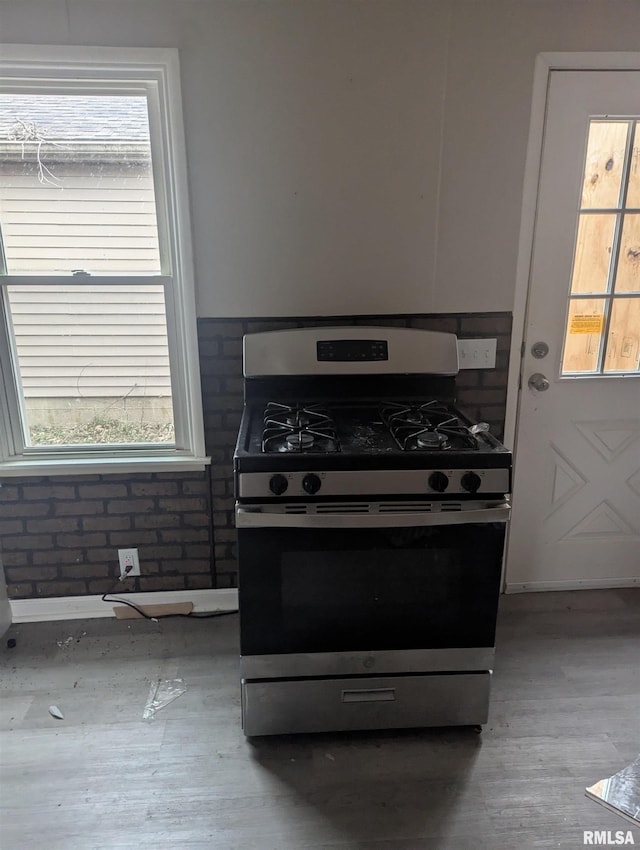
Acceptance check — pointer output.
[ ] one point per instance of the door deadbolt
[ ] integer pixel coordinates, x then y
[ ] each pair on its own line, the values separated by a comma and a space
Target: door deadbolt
538, 382
539, 350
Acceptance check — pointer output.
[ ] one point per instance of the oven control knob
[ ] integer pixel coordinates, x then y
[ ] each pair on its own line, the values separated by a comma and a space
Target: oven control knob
278, 484
470, 482
438, 481
311, 484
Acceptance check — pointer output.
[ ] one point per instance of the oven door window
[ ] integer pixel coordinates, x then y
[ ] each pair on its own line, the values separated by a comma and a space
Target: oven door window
392, 588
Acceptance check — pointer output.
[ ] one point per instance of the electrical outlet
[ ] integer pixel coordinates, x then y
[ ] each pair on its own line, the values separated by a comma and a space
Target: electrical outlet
477, 353
129, 562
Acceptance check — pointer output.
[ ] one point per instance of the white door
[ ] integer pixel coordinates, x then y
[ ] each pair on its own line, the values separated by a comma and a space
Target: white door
576, 494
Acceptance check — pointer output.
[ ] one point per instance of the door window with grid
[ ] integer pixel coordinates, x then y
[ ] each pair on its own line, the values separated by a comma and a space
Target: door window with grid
602, 335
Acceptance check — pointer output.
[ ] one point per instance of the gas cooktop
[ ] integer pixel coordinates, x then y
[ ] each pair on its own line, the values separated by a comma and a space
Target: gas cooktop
373, 434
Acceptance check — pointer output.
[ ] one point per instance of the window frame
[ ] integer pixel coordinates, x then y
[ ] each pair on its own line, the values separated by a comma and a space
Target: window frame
154, 72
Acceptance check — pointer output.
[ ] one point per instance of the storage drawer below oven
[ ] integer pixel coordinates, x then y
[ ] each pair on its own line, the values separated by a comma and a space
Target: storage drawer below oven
396, 702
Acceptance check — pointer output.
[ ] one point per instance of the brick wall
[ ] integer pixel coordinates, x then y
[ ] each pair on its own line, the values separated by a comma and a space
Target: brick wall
481, 393
60, 535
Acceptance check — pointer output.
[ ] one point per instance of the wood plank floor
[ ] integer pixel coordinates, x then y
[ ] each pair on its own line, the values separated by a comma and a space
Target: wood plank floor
565, 712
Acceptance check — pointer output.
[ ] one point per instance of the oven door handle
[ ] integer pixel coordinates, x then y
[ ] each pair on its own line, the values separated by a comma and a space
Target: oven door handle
247, 517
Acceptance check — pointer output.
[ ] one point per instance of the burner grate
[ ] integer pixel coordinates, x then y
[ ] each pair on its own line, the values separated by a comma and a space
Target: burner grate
426, 426
298, 428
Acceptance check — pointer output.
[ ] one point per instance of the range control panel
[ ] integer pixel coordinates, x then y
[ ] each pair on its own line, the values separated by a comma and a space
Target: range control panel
367, 483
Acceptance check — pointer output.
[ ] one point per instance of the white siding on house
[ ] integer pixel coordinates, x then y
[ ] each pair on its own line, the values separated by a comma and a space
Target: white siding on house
89, 341
100, 218
85, 341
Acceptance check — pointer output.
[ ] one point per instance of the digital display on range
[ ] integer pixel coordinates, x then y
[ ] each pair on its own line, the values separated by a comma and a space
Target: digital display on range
350, 350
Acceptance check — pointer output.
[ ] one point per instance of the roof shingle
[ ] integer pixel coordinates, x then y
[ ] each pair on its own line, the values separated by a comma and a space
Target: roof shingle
58, 118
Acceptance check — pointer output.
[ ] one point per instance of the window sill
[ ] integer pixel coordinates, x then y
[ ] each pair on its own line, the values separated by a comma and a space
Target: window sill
101, 466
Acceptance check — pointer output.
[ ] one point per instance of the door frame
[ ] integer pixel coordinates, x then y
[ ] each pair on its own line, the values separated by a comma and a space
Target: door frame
544, 65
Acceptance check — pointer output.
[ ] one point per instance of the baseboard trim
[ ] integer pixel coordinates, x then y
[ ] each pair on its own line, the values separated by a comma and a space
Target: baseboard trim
576, 584
90, 607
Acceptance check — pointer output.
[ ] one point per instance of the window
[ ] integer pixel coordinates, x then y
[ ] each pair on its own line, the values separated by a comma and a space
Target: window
603, 325
98, 350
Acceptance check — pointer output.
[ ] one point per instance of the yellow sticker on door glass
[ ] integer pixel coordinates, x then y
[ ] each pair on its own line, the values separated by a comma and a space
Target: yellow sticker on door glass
588, 323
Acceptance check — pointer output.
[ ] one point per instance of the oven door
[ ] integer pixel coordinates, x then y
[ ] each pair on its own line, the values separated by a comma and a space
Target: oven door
394, 580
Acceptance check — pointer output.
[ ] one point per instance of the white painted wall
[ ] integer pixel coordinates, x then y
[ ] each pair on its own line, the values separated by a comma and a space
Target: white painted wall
348, 156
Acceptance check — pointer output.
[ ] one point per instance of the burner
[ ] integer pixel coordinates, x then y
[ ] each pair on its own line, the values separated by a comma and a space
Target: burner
415, 416
431, 440
299, 440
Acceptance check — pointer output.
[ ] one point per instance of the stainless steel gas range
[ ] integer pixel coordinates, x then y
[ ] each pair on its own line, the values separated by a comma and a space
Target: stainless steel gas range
371, 517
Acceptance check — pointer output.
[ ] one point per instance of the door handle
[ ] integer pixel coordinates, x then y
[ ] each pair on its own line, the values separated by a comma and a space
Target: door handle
369, 695
538, 382
256, 517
